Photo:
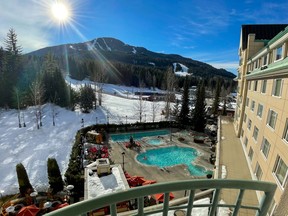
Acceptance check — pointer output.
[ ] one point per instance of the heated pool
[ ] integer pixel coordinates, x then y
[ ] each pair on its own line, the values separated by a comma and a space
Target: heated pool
137, 135
170, 156
155, 141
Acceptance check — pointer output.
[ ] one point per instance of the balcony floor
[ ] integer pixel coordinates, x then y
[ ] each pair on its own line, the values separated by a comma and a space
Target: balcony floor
233, 158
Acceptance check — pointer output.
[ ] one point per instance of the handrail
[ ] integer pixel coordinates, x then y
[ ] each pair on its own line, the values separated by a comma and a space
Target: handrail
140, 192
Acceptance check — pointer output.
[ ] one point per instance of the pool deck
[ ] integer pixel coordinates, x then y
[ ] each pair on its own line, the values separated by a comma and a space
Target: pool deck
175, 173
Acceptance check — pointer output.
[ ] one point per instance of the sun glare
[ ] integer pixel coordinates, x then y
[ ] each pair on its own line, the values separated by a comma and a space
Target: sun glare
60, 12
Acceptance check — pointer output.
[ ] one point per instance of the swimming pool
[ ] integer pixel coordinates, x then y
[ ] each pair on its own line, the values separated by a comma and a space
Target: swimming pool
154, 141
137, 135
170, 156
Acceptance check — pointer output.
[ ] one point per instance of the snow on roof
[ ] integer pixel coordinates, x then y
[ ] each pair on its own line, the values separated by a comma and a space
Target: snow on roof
97, 186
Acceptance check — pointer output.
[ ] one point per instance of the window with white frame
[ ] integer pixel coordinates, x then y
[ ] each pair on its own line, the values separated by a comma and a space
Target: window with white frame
247, 102
265, 147
277, 87
249, 85
260, 110
250, 154
255, 133
249, 124
272, 117
280, 170
252, 105
285, 134
263, 86
246, 141
279, 53
258, 171
256, 64
255, 85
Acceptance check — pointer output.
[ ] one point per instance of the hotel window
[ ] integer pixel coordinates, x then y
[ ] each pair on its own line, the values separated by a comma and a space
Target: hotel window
255, 85
285, 136
255, 133
263, 86
252, 105
277, 85
249, 124
258, 171
280, 171
265, 147
242, 132
278, 53
260, 110
246, 141
264, 60
272, 117
249, 85
250, 154
247, 102
245, 117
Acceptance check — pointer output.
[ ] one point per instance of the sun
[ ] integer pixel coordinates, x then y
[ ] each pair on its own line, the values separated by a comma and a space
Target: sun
60, 12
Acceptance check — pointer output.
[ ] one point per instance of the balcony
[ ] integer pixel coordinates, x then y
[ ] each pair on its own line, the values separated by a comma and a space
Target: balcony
216, 186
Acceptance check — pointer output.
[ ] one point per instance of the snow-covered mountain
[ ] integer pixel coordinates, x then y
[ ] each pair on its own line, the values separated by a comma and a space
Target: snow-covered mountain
115, 50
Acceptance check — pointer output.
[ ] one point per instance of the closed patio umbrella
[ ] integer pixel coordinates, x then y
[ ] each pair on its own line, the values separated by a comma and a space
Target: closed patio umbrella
31, 210
160, 197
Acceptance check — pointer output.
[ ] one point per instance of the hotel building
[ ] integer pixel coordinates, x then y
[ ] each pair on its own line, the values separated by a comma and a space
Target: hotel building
261, 117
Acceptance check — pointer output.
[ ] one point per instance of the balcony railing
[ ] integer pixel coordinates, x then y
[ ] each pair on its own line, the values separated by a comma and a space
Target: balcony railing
83, 207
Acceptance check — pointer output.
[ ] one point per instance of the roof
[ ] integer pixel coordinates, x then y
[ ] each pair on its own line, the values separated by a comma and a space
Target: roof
261, 31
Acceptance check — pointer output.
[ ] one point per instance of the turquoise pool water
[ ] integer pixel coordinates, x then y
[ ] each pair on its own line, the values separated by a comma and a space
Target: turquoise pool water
138, 135
170, 156
155, 142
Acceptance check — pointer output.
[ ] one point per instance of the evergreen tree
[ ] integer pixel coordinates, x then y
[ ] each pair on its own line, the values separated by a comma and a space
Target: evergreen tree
216, 98
11, 71
184, 113
23, 180
56, 90
87, 97
54, 176
199, 120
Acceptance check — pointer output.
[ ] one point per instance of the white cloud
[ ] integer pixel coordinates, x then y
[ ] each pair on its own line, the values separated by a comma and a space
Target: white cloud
29, 19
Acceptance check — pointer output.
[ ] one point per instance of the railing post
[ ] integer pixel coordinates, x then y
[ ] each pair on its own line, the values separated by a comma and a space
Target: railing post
190, 202
166, 203
140, 206
214, 202
238, 202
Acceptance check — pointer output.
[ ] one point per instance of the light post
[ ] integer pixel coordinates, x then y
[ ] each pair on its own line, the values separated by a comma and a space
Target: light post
82, 122
123, 154
107, 119
126, 119
33, 195
69, 188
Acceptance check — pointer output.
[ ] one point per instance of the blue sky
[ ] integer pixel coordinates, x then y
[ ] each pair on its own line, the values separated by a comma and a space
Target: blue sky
203, 30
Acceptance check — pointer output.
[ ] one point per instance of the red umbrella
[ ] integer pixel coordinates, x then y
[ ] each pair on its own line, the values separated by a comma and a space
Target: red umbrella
147, 182
93, 149
160, 197
61, 205
136, 181
31, 210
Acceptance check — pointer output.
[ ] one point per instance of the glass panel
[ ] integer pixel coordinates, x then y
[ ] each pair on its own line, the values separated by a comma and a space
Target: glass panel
279, 53
260, 110
265, 147
264, 83
280, 171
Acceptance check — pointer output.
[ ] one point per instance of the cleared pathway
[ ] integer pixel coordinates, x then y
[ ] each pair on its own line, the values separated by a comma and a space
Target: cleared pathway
233, 158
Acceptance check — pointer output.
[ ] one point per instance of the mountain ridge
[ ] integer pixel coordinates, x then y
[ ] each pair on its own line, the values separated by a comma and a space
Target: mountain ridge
114, 49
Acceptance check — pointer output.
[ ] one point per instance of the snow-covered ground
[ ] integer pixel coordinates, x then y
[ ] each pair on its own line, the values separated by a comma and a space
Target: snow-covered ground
33, 147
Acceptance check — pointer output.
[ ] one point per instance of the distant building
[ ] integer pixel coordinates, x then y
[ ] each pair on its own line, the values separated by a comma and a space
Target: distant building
261, 117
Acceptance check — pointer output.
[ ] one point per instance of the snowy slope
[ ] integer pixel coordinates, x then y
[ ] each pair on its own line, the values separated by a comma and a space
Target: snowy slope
184, 71
33, 147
